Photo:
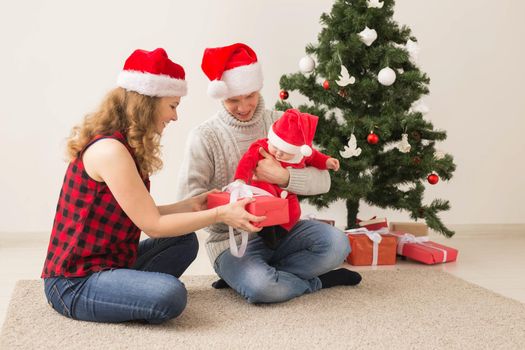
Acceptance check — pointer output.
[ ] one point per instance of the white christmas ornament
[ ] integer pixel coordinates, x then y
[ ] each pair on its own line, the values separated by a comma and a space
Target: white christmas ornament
403, 146
344, 77
367, 36
386, 76
351, 150
419, 106
413, 49
375, 4
439, 155
306, 64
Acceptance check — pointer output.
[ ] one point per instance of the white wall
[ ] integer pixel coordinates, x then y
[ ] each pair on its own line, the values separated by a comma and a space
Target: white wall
58, 58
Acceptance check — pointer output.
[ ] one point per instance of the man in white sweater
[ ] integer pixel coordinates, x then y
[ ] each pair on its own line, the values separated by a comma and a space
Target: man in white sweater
304, 260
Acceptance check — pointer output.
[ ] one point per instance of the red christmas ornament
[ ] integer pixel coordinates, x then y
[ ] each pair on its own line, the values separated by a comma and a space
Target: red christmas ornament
372, 138
432, 179
283, 95
326, 85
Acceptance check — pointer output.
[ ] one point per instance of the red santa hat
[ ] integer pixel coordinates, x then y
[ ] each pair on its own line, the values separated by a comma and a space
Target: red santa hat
233, 70
152, 73
294, 133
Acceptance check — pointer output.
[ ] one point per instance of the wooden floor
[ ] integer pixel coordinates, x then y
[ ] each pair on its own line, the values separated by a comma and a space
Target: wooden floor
492, 256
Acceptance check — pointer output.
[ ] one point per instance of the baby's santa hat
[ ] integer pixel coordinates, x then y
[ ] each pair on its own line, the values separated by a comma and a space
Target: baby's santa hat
294, 133
152, 73
233, 70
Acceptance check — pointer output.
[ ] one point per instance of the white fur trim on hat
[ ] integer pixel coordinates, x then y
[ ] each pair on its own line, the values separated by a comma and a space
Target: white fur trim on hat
285, 146
151, 84
242, 80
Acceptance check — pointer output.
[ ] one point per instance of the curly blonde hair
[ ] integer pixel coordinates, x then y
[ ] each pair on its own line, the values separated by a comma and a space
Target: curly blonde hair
131, 113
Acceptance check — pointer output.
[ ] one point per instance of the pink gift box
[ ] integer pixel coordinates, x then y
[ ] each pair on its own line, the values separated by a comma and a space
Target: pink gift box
275, 209
424, 251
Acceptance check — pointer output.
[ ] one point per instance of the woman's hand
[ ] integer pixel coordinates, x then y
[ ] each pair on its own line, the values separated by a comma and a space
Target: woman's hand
200, 202
270, 170
236, 216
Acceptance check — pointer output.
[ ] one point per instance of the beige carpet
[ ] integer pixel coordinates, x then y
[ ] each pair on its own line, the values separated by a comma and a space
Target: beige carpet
390, 309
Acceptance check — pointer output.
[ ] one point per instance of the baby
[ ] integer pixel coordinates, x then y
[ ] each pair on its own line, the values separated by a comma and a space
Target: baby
289, 142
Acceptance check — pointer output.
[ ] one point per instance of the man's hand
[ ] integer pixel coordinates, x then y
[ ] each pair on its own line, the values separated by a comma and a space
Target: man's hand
270, 170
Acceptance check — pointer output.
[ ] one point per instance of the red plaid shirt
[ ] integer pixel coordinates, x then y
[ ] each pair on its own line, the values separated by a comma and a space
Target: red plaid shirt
91, 232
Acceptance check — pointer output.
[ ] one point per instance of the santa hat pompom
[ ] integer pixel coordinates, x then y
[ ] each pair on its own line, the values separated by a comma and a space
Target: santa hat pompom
217, 89
306, 150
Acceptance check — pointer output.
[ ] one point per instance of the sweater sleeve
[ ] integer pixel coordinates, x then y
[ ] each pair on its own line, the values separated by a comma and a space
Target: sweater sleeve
308, 181
197, 169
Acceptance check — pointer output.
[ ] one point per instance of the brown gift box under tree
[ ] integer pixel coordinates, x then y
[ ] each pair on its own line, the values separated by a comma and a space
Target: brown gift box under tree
417, 229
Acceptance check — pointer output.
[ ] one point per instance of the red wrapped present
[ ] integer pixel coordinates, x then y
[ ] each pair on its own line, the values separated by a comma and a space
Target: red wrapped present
373, 224
371, 248
423, 250
275, 209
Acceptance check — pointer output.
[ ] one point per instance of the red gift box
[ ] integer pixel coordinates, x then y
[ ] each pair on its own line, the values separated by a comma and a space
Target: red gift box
423, 250
373, 224
275, 209
363, 250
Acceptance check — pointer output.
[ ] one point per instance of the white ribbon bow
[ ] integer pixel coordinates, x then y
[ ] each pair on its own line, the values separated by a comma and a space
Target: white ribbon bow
239, 189
410, 238
374, 236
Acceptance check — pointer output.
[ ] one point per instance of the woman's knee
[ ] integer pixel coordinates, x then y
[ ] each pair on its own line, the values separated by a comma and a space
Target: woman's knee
169, 301
192, 243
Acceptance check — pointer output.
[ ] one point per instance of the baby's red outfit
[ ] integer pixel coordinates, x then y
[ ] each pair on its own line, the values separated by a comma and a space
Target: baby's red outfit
249, 161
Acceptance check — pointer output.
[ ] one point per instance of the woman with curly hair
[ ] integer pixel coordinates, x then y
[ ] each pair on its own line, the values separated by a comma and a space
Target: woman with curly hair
95, 268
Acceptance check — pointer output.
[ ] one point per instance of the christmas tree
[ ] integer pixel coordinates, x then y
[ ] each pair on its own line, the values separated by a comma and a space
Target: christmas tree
366, 89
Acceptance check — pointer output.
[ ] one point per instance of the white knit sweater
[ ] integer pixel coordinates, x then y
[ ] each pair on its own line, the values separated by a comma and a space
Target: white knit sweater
212, 153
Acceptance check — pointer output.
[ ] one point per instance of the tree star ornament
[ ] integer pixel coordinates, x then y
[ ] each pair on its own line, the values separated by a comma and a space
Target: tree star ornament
403, 146
386, 76
351, 150
367, 36
345, 78
375, 4
306, 64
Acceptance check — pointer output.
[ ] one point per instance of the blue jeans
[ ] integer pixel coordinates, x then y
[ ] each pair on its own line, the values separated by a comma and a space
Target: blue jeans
264, 275
150, 291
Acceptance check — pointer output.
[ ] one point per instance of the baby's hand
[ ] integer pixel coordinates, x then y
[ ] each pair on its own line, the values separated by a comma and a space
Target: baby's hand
332, 163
